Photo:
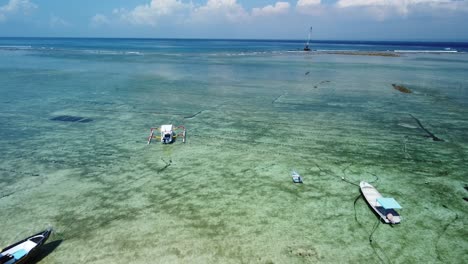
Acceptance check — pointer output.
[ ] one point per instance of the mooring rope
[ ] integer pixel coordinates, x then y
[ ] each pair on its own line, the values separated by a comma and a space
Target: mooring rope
350, 182
376, 178
354, 205
376, 225
344, 174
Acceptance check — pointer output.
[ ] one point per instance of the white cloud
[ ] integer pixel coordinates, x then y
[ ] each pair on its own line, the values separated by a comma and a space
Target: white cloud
216, 13
14, 7
216, 10
307, 3
310, 7
384, 8
278, 8
348, 3
158, 12
56, 21
151, 13
99, 19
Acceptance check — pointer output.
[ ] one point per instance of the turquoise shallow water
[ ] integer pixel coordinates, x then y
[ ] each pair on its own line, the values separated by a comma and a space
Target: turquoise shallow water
253, 111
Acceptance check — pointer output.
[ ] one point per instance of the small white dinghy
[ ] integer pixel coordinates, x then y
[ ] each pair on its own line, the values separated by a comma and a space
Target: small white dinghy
296, 177
384, 207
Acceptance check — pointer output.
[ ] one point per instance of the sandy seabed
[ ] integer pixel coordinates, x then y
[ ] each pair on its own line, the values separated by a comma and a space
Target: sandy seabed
226, 196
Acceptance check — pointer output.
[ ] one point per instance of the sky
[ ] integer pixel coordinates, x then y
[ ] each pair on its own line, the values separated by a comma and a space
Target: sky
425, 20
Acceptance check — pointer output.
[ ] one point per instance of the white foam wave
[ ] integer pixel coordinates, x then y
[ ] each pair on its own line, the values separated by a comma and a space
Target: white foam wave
103, 52
133, 53
241, 54
110, 52
15, 47
426, 51
340, 50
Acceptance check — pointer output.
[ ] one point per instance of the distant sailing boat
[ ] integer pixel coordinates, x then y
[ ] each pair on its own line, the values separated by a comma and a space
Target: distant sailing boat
306, 47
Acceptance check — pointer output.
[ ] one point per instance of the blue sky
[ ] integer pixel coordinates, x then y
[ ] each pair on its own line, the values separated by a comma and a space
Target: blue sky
437, 20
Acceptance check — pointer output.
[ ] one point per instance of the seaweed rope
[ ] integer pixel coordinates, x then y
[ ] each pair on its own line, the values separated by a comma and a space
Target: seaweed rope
354, 205
343, 171
166, 166
194, 115
373, 245
203, 110
376, 225
279, 96
429, 133
343, 178
443, 233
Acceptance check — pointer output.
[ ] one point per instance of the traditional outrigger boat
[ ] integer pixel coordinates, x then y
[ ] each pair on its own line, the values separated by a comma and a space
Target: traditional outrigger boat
22, 251
383, 207
167, 134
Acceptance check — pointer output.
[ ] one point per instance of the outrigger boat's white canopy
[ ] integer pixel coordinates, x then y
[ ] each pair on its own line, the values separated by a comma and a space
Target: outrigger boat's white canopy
167, 128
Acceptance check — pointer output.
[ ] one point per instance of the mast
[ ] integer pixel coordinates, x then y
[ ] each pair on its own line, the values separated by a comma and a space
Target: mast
310, 34
306, 48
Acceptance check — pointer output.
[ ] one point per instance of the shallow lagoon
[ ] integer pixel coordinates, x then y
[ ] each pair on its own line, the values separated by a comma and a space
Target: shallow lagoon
226, 196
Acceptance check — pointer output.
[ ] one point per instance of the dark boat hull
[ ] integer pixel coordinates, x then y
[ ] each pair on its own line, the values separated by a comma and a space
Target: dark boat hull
39, 239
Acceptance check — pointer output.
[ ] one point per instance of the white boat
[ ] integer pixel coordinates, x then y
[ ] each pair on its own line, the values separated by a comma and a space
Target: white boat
22, 251
296, 177
383, 207
168, 134
306, 47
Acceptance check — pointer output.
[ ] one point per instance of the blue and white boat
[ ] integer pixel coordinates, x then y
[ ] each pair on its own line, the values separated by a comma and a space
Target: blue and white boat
296, 177
22, 251
383, 207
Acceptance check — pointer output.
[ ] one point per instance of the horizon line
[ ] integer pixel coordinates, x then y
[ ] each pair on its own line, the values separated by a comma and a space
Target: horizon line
240, 39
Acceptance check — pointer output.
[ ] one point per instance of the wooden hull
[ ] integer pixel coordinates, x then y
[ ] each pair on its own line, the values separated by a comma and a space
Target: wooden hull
32, 243
389, 216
